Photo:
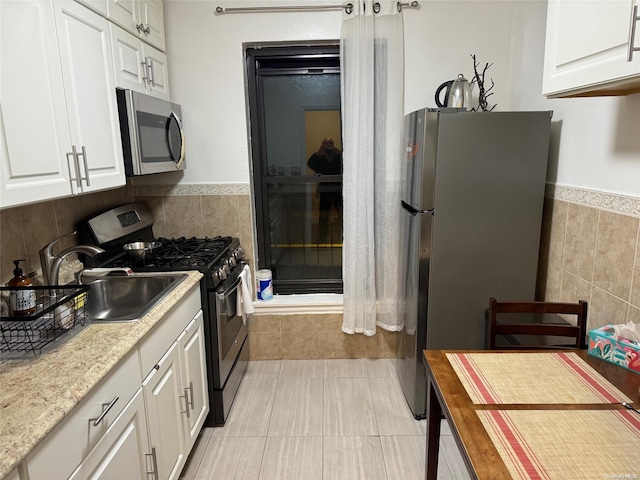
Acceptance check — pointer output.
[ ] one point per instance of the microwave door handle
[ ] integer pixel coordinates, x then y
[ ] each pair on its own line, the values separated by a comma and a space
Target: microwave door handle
182, 139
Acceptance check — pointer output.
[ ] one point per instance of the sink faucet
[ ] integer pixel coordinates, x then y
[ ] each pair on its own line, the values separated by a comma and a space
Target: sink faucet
51, 263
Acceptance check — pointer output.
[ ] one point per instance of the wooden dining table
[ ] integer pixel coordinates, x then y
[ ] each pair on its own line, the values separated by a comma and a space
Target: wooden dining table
450, 389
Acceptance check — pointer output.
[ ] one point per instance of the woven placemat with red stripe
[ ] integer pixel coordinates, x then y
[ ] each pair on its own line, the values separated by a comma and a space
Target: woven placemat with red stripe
559, 444
532, 378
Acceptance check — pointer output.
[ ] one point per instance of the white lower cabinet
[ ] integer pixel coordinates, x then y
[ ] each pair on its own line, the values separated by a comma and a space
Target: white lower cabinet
192, 355
123, 452
73, 439
165, 403
177, 400
130, 428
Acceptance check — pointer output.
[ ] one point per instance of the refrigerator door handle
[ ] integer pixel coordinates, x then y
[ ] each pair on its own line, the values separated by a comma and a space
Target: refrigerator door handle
414, 211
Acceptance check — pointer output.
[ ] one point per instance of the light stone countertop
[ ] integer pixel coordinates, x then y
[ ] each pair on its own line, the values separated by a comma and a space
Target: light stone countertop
36, 394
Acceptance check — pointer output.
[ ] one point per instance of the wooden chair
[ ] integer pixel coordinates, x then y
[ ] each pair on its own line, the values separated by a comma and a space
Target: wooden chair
524, 322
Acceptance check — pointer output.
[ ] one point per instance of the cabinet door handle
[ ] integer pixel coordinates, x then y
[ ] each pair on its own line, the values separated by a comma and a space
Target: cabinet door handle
632, 34
150, 74
74, 159
105, 409
142, 29
145, 71
186, 403
154, 463
191, 402
86, 166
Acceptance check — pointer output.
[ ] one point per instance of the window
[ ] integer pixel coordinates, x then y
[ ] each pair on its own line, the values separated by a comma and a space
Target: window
294, 102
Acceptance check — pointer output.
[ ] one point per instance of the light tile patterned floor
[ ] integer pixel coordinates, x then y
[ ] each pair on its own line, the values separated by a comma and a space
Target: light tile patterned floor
320, 420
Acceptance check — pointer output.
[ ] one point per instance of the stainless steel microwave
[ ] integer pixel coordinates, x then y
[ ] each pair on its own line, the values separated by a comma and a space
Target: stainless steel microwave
152, 134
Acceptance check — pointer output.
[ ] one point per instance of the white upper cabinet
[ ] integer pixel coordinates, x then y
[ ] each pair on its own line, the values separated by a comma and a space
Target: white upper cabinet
90, 92
99, 6
144, 18
59, 119
588, 48
138, 66
33, 121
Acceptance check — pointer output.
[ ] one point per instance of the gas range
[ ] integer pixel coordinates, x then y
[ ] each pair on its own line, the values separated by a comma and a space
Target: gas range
221, 260
215, 257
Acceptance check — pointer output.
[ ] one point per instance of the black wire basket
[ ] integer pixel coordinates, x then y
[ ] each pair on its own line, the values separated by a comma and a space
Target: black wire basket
58, 310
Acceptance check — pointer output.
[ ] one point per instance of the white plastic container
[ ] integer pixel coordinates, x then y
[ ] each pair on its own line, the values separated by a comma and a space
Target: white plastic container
264, 285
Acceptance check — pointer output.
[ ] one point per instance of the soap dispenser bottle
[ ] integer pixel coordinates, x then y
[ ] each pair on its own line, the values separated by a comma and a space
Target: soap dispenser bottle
21, 301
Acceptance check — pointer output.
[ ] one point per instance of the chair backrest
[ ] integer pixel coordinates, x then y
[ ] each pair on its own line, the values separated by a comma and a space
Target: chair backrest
521, 322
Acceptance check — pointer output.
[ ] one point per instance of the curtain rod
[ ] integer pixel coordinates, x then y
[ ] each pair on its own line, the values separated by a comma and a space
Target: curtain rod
347, 7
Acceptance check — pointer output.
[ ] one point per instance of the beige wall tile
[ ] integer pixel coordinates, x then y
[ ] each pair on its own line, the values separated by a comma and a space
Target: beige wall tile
549, 283
265, 346
220, 213
330, 322
11, 242
554, 222
245, 220
39, 228
183, 216
299, 323
634, 315
605, 309
117, 197
574, 289
385, 346
580, 240
615, 252
264, 323
156, 205
635, 284
299, 345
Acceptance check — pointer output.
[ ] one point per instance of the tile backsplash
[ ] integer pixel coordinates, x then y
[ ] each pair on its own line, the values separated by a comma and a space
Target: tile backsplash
25, 230
590, 250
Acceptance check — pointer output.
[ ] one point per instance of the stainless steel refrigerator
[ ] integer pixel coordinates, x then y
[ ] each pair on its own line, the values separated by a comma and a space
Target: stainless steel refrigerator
471, 217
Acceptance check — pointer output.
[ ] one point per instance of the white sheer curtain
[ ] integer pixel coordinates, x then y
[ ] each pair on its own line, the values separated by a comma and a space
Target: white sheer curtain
372, 76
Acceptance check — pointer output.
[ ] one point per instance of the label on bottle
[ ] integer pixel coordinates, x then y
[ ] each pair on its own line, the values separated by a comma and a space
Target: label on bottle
22, 302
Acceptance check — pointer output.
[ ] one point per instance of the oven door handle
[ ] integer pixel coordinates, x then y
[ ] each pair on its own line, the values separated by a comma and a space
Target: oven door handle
222, 300
229, 290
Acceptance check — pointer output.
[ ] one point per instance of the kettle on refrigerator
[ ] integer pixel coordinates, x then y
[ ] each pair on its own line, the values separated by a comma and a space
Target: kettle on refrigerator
457, 95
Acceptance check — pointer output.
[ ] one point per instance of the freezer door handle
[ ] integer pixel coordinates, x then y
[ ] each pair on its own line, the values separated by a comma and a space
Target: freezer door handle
414, 211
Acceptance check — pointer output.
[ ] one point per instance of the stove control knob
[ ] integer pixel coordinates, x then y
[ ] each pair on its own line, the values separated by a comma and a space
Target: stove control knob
230, 262
221, 274
225, 270
238, 254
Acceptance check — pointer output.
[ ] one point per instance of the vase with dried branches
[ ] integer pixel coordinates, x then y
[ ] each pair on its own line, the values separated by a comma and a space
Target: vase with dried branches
483, 92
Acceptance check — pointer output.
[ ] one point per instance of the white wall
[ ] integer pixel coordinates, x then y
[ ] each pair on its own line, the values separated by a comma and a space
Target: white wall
598, 145
596, 140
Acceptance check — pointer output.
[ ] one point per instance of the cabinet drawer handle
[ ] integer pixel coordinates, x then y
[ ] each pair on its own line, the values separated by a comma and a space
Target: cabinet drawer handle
632, 34
106, 407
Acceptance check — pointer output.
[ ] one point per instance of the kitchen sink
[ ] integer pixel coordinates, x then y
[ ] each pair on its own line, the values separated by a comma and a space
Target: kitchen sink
127, 299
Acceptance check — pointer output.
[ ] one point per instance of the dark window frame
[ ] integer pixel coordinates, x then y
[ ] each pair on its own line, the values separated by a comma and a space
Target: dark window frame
260, 62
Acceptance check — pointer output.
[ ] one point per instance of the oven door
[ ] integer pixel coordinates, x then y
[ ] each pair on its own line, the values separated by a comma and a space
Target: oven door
231, 330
